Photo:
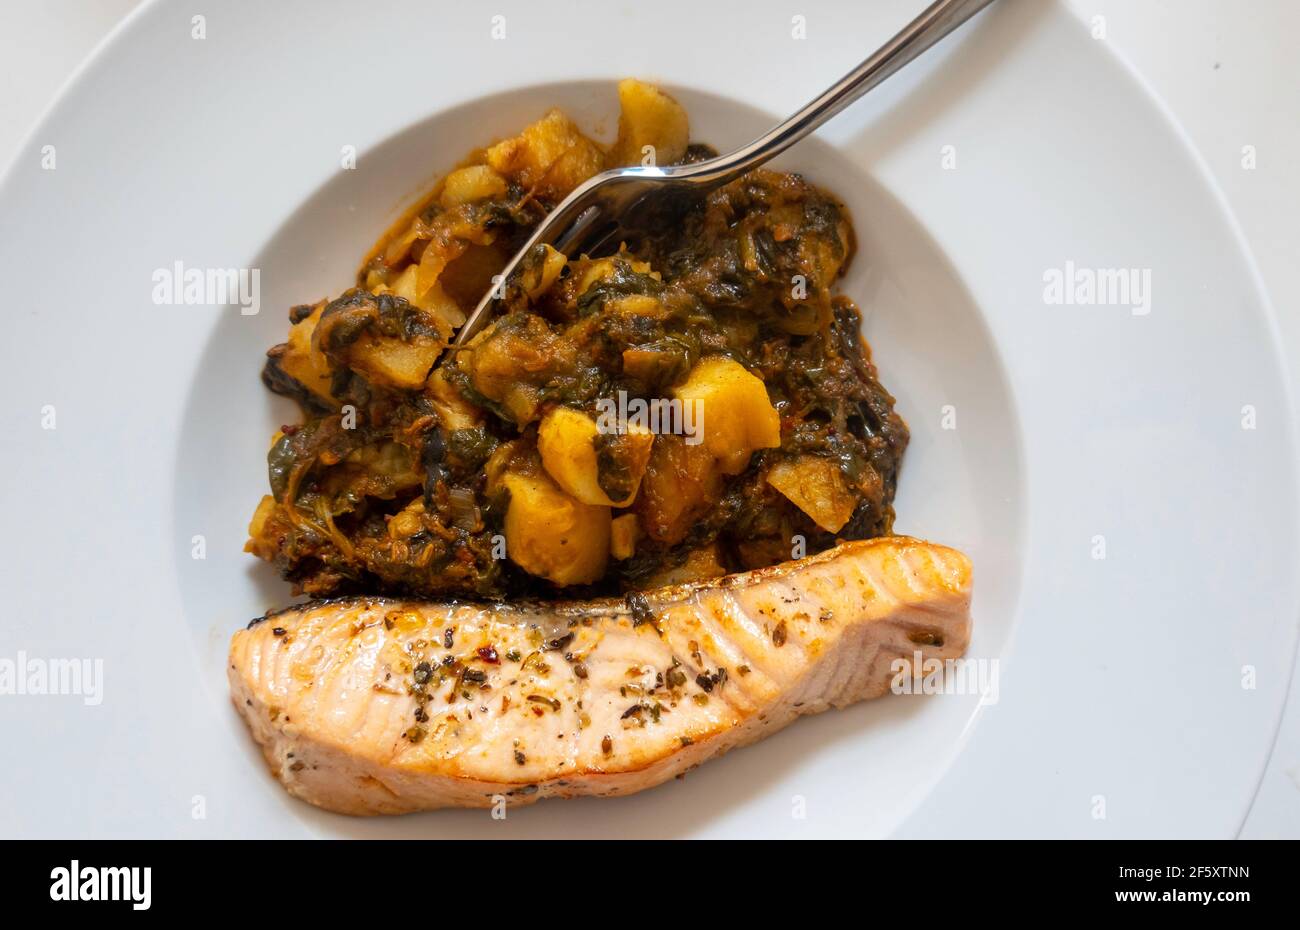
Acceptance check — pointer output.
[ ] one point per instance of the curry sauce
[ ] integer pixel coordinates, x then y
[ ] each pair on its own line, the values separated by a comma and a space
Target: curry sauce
697, 403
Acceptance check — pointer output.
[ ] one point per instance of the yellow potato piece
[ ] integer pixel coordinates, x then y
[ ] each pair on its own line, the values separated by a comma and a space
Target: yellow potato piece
817, 487
551, 155
538, 280
453, 410
680, 484
624, 532
566, 440
576, 165
394, 363
434, 300
637, 305
736, 413
304, 362
553, 536
648, 117
476, 182
589, 271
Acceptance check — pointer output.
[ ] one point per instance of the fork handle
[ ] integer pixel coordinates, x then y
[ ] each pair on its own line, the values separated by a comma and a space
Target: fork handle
567, 220
938, 19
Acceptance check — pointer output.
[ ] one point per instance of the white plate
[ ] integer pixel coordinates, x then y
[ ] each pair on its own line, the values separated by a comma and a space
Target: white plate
1121, 708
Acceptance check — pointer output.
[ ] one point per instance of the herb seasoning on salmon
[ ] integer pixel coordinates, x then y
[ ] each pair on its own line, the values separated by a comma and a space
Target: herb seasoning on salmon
364, 710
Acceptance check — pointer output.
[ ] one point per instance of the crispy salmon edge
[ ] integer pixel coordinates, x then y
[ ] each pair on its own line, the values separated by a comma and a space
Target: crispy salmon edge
669, 592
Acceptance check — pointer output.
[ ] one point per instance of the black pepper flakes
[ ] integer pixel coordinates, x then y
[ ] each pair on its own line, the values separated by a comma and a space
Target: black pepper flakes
559, 642
779, 634
639, 607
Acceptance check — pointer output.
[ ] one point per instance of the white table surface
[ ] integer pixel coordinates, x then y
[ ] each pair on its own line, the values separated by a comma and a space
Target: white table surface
1226, 69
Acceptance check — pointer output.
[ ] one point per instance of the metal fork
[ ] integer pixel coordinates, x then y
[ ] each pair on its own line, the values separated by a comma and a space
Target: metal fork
606, 208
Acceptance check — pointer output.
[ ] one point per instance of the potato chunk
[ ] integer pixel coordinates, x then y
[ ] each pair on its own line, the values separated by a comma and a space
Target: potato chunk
579, 163
511, 359
393, 363
624, 532
383, 337
733, 406
817, 487
680, 484
538, 276
590, 465
305, 363
590, 271
551, 155
552, 535
648, 117
434, 300
453, 410
476, 182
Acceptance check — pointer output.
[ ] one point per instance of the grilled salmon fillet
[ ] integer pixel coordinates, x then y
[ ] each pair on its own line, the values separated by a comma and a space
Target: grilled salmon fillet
372, 705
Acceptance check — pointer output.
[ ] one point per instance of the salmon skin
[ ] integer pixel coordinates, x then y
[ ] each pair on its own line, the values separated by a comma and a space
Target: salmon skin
372, 705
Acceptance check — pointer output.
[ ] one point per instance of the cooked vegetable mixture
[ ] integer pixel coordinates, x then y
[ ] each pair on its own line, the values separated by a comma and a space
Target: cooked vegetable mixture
697, 403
